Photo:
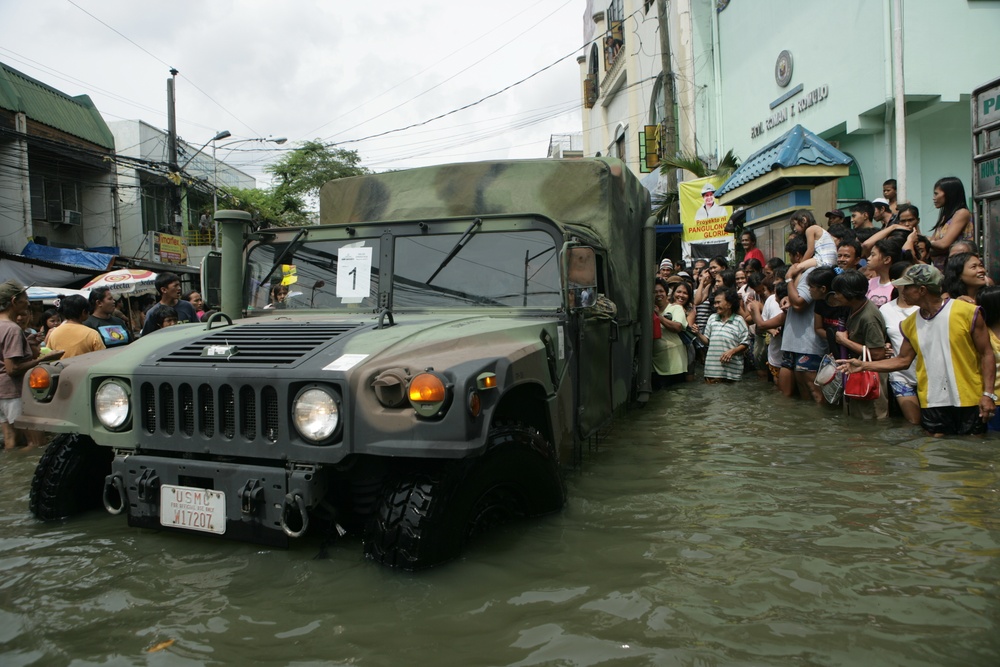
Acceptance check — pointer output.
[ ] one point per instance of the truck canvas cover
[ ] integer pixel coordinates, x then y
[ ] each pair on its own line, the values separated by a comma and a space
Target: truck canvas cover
598, 199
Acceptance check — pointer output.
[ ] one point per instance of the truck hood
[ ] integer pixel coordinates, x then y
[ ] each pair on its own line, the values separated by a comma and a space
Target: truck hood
338, 343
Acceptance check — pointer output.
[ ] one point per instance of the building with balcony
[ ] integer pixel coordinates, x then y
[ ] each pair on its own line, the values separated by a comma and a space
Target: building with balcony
746, 73
57, 168
149, 191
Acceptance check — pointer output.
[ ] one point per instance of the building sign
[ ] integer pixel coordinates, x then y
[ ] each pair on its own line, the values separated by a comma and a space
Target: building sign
986, 112
988, 176
649, 148
168, 248
785, 108
987, 107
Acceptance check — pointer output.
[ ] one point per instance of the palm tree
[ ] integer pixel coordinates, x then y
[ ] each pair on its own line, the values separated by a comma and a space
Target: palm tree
662, 202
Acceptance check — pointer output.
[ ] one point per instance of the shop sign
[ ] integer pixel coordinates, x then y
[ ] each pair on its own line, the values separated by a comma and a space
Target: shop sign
987, 107
168, 248
986, 112
988, 176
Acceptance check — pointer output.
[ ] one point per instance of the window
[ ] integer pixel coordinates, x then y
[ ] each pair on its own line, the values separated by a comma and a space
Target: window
155, 208
618, 147
614, 40
50, 196
492, 269
590, 84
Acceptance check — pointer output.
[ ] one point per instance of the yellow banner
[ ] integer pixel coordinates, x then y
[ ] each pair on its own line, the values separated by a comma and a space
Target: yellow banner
703, 218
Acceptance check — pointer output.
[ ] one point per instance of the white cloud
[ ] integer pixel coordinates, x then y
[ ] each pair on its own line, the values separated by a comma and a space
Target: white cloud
321, 69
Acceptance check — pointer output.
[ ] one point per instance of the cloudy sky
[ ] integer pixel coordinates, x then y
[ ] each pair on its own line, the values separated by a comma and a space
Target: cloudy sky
335, 70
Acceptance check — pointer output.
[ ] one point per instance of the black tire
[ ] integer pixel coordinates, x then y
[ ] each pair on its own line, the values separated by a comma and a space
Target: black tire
425, 518
69, 478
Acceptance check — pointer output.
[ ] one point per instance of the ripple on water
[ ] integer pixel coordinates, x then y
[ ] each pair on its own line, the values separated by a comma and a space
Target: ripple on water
716, 526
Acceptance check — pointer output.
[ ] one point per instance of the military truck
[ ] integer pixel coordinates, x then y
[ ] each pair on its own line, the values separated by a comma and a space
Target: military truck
422, 365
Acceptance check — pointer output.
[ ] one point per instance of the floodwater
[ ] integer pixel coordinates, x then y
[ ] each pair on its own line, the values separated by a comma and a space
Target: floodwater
720, 525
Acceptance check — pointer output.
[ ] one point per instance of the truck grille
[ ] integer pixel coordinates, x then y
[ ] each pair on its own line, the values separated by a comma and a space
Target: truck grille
274, 344
218, 411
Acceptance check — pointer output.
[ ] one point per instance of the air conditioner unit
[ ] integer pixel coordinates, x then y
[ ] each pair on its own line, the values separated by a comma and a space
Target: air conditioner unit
72, 217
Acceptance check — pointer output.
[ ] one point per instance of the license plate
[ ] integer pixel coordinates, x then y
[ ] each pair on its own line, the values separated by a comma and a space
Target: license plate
193, 509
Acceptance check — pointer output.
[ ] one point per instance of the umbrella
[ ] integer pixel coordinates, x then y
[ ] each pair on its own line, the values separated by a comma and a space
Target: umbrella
125, 281
48, 295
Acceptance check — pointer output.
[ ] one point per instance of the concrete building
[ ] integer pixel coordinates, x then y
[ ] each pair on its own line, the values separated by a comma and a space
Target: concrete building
565, 146
147, 189
57, 176
745, 73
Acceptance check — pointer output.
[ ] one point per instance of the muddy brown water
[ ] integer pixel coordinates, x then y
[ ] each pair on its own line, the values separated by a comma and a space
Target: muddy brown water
720, 525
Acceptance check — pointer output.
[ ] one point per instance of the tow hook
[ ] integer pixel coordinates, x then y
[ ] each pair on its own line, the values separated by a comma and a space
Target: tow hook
250, 496
294, 513
114, 494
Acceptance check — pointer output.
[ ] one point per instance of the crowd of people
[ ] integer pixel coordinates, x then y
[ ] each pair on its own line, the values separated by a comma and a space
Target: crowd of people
919, 311
77, 326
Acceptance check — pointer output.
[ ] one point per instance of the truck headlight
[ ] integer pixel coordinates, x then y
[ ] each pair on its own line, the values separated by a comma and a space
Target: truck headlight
316, 414
112, 404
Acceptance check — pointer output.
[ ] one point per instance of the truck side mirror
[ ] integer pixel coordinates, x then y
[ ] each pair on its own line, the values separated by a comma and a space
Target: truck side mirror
211, 278
581, 277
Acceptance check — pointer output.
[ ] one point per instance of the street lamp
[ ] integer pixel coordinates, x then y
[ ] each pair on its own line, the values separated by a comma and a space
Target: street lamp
215, 172
179, 180
220, 135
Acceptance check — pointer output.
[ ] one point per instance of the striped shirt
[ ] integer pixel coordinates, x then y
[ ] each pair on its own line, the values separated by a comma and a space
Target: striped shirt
723, 336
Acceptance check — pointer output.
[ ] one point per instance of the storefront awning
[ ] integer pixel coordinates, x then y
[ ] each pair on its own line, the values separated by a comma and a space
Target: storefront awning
798, 157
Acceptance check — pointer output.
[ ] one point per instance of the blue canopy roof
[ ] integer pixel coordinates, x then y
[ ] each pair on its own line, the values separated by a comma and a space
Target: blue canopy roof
795, 148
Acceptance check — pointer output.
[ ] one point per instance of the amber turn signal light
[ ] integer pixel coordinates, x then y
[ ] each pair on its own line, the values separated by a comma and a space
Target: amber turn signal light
39, 379
427, 388
428, 395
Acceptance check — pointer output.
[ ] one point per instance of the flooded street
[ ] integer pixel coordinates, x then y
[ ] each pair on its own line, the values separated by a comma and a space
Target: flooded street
702, 531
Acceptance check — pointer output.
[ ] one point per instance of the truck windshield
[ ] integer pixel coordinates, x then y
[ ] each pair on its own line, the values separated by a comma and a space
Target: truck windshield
316, 274
499, 269
507, 269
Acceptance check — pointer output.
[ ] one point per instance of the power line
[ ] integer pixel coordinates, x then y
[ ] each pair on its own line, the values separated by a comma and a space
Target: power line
461, 71
461, 108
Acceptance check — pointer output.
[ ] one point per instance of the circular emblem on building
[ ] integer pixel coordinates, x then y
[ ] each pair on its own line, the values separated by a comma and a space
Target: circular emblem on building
783, 69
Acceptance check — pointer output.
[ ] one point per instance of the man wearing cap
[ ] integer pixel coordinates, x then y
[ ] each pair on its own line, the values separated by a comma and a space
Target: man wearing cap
16, 357
956, 369
666, 268
709, 208
883, 214
835, 217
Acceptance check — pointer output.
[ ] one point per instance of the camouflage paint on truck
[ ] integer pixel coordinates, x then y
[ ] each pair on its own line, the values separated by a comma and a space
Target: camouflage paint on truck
440, 352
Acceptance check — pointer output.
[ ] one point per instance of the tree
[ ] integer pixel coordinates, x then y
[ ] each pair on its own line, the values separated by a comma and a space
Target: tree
266, 209
298, 177
695, 165
304, 170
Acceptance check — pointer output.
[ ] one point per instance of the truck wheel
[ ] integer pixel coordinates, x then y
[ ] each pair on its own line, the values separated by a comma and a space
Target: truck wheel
69, 478
425, 518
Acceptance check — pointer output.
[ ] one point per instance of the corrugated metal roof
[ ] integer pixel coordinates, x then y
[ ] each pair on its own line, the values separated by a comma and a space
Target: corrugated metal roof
796, 147
44, 104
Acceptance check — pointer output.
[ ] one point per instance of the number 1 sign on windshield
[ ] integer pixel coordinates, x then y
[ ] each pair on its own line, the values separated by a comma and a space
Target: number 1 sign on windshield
354, 272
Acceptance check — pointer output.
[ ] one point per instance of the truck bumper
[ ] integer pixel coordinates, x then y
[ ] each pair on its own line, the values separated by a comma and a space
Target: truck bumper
249, 503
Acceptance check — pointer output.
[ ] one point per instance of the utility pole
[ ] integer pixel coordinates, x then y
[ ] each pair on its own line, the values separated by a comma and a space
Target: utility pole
175, 196
668, 137
899, 93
